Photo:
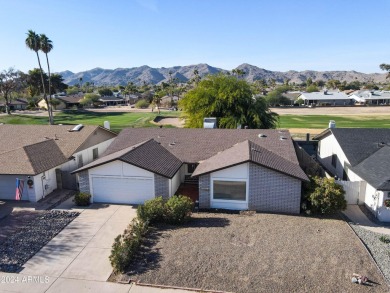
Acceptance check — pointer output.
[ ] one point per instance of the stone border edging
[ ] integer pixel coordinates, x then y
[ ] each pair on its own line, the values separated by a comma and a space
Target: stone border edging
178, 288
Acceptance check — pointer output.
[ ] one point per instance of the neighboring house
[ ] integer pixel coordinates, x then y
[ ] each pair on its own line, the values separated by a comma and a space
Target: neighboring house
292, 96
326, 98
168, 101
236, 169
15, 104
66, 102
363, 155
112, 101
44, 156
371, 97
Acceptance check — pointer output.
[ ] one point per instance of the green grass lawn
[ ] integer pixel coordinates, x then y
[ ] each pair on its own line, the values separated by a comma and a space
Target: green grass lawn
118, 120
322, 121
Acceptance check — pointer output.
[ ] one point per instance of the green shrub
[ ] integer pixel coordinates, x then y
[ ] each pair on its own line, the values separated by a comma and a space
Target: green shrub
384, 239
142, 104
126, 245
82, 199
178, 209
324, 196
152, 211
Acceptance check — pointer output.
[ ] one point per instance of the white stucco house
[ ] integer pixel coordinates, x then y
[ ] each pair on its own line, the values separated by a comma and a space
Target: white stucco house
234, 169
44, 155
326, 98
360, 155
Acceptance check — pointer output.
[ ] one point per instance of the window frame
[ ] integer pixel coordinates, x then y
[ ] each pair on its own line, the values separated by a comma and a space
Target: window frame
229, 180
93, 153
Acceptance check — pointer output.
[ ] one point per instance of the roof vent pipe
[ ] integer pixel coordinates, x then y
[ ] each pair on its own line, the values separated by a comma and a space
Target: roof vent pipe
332, 124
107, 124
77, 127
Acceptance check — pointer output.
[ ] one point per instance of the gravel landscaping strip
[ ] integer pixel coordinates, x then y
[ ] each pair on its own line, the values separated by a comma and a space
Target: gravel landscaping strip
257, 253
379, 250
18, 248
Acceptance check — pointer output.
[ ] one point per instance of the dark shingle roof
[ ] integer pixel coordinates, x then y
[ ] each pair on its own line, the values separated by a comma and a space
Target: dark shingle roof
32, 149
358, 143
148, 155
38, 155
191, 145
376, 169
247, 151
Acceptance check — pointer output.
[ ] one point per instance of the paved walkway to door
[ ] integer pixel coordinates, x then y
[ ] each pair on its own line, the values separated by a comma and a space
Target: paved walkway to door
355, 214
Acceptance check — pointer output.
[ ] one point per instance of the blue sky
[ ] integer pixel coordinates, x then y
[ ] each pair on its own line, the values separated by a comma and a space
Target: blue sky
275, 35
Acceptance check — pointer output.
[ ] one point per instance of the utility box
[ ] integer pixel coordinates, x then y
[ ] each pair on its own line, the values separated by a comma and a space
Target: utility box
210, 122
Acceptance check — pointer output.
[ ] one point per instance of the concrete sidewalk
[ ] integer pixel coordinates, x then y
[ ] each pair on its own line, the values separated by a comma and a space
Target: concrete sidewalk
354, 213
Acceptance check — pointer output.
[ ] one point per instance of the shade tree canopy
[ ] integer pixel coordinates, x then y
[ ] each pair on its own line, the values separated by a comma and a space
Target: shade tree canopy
230, 100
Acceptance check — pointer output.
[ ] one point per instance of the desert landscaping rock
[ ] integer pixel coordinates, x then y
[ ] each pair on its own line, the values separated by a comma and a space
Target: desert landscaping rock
25, 242
380, 251
258, 253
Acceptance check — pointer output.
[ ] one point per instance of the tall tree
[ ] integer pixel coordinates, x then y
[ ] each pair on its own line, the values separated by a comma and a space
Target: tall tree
9, 82
385, 67
33, 43
228, 99
46, 45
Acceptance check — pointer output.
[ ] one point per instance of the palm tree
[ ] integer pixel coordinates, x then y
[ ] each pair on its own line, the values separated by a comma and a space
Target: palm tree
33, 43
46, 45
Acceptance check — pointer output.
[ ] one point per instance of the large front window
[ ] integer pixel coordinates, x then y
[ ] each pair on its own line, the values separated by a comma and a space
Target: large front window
229, 190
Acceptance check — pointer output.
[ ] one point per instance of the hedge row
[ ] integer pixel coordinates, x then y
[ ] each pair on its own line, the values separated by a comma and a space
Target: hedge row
176, 210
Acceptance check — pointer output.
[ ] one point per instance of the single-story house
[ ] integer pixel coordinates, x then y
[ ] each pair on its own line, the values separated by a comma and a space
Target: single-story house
167, 101
112, 101
235, 169
326, 98
360, 155
66, 102
44, 155
371, 97
15, 104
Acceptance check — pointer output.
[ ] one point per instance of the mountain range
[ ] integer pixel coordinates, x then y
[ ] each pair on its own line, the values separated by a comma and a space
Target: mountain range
139, 75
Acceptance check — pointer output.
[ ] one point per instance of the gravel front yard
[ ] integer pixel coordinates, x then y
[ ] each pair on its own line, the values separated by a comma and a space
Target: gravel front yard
27, 240
257, 253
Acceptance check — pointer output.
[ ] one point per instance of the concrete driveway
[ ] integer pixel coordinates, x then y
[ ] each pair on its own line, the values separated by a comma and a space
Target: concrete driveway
81, 250
76, 260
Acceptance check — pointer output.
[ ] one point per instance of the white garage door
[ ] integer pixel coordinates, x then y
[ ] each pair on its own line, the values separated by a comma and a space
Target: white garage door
131, 190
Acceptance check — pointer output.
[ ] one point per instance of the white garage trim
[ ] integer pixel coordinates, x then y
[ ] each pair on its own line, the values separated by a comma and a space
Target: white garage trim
126, 190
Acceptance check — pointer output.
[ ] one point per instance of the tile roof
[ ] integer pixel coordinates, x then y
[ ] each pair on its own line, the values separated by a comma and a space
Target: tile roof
358, 143
247, 151
192, 145
32, 149
375, 169
148, 155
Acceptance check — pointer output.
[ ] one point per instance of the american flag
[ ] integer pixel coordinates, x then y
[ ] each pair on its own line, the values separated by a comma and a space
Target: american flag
19, 188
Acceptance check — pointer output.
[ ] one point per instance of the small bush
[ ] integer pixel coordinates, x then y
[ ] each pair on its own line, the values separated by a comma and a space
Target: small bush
126, 245
178, 209
152, 211
142, 104
82, 199
324, 196
384, 239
